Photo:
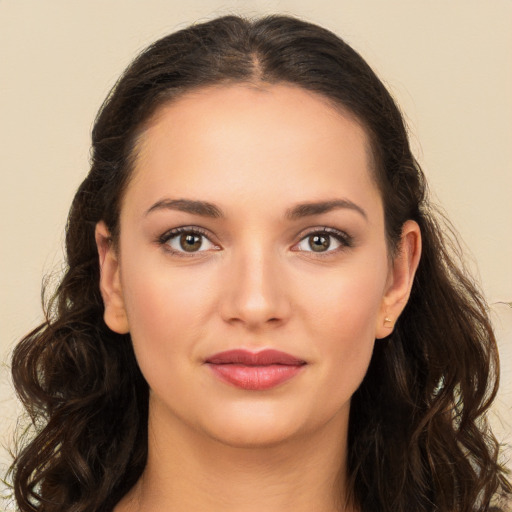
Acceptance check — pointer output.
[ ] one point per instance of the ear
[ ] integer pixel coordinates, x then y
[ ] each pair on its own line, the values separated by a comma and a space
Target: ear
110, 281
400, 279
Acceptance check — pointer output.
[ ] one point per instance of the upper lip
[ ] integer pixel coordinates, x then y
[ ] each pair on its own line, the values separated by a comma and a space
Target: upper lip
248, 358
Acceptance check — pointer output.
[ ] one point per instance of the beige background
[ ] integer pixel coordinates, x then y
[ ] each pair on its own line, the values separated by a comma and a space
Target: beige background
447, 62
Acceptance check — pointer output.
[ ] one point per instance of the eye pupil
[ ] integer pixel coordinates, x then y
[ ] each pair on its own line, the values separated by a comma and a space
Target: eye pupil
190, 242
319, 243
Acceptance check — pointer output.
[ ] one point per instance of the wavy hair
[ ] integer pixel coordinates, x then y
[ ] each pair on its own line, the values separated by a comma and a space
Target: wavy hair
418, 439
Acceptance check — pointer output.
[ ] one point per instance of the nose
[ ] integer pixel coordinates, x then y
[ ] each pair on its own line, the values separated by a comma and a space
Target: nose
255, 293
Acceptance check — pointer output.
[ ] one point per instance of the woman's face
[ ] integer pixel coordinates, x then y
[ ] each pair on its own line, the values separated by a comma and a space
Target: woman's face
251, 223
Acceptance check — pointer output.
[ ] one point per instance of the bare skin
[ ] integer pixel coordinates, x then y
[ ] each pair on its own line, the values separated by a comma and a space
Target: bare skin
252, 157
205, 476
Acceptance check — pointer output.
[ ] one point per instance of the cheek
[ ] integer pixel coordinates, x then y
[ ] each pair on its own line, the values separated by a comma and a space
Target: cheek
166, 308
348, 321
342, 316
348, 300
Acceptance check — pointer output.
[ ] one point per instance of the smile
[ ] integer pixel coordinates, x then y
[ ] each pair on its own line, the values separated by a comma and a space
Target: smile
255, 371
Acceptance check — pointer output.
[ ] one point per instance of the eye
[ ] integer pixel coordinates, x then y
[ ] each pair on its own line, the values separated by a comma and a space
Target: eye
187, 240
323, 241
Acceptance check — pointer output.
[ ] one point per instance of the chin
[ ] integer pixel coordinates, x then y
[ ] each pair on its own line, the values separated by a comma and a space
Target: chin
249, 437
253, 427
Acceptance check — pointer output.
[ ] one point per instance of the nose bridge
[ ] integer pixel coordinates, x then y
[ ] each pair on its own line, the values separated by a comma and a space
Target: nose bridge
255, 294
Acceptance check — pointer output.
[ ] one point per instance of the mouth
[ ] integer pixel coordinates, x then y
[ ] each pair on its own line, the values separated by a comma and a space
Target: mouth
255, 371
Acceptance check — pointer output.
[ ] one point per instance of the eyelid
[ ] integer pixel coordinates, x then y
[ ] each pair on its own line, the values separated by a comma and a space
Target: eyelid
174, 232
346, 241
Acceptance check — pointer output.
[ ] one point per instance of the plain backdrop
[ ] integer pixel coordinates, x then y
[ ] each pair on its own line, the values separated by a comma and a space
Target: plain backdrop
448, 63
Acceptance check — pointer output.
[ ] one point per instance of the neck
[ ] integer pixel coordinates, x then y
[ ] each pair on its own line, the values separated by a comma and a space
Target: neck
189, 471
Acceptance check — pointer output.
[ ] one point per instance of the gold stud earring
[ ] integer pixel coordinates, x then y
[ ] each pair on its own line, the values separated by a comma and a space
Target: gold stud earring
388, 322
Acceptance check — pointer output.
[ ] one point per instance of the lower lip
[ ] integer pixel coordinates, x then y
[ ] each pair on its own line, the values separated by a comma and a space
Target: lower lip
255, 378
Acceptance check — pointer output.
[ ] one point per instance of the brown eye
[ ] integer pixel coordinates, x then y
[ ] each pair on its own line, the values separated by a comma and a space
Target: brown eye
319, 243
190, 242
327, 240
187, 240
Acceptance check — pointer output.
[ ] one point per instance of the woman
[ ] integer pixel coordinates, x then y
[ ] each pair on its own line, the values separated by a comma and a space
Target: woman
260, 311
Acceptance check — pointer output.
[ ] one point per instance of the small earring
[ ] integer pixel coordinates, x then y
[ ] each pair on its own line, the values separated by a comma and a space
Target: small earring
388, 322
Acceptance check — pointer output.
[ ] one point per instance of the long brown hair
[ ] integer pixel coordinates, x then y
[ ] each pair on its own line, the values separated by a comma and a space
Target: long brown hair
418, 440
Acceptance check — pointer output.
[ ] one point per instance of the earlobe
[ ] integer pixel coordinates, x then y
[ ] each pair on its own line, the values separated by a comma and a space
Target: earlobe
401, 278
110, 281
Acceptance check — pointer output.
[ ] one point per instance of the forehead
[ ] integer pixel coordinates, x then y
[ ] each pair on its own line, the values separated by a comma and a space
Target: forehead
278, 142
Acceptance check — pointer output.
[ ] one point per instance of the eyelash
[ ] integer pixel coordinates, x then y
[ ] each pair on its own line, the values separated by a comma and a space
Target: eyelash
173, 233
346, 241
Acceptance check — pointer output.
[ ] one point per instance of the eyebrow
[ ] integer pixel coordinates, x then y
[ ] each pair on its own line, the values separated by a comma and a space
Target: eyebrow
206, 209
202, 208
317, 208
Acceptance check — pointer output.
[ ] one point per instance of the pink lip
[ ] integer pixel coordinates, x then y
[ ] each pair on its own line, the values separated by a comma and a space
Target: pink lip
255, 370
